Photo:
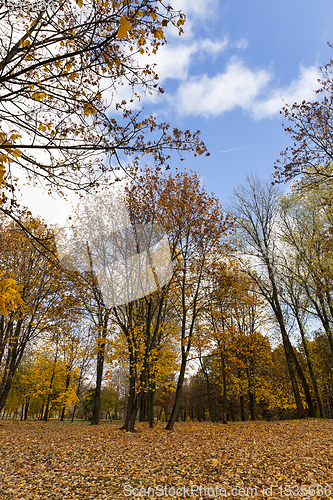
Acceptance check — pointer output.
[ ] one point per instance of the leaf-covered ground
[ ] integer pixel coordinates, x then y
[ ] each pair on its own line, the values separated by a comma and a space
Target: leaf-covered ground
54, 460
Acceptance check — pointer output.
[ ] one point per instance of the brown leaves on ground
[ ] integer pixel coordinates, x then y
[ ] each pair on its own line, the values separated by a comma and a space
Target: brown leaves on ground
54, 460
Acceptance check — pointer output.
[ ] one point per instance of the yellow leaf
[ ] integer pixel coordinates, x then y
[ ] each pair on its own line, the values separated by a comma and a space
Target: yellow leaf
80, 3
89, 109
159, 33
14, 137
125, 25
16, 153
38, 96
2, 171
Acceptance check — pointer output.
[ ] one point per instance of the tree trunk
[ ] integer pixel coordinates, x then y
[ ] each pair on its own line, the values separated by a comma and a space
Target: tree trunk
143, 407
289, 358
151, 398
241, 400
209, 396
288, 349
68, 379
224, 400
176, 406
46, 411
103, 321
252, 399
26, 409
130, 400
97, 394
311, 371
5, 392
232, 408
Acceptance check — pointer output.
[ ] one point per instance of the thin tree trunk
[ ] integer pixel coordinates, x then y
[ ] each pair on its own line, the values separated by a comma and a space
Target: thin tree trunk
103, 323
224, 379
232, 408
46, 412
204, 371
143, 407
251, 396
130, 399
151, 398
288, 349
311, 371
97, 394
176, 406
68, 379
241, 400
26, 409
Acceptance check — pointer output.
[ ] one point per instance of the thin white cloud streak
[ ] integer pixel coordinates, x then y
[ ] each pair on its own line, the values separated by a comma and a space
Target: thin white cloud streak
234, 149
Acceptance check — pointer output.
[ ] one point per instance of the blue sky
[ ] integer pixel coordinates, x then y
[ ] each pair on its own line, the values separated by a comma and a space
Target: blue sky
227, 76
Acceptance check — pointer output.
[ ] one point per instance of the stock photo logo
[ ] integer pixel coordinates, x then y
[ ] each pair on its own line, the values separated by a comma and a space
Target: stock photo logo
128, 260
26, 5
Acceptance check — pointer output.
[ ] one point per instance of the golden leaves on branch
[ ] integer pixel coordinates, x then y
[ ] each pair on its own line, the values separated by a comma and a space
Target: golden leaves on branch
10, 295
38, 96
6, 140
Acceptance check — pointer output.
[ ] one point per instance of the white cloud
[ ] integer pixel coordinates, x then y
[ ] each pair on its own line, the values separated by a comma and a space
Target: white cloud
173, 61
237, 86
240, 86
300, 89
53, 209
213, 46
242, 44
197, 8
196, 12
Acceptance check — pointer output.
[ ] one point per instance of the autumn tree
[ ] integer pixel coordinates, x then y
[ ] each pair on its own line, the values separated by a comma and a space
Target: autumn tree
61, 66
218, 331
196, 227
44, 291
256, 208
305, 228
309, 125
147, 352
235, 315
